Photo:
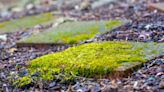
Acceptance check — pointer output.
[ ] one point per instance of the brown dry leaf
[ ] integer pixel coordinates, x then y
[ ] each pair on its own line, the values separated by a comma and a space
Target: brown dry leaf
12, 62
36, 31
12, 50
2, 66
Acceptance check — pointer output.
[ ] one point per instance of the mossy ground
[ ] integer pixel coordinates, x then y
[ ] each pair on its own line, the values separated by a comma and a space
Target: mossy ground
25, 22
73, 32
89, 60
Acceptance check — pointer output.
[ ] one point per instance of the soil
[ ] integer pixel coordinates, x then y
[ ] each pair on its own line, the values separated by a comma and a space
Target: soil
147, 25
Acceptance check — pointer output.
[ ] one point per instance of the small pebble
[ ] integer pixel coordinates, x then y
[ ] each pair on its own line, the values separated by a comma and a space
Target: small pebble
52, 84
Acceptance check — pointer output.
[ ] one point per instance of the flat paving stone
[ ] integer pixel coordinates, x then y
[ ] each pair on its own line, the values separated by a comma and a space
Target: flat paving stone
159, 6
25, 22
98, 60
72, 32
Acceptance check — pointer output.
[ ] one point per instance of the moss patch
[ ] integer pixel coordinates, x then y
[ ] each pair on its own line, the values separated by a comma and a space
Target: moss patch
25, 22
90, 60
73, 32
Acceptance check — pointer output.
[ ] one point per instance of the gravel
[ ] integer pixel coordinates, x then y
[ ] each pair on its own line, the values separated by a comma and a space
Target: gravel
146, 26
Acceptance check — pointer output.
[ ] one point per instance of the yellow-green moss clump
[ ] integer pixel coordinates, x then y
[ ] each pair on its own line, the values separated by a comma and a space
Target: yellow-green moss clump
25, 22
89, 60
73, 32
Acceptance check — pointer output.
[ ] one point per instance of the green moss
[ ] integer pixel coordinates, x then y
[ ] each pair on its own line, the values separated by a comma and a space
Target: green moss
73, 32
25, 22
24, 81
114, 22
90, 60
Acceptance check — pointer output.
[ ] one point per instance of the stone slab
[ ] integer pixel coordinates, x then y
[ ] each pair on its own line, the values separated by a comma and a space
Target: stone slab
72, 32
95, 60
25, 22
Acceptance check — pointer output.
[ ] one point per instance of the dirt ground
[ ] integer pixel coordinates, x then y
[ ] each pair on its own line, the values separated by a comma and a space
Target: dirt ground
147, 25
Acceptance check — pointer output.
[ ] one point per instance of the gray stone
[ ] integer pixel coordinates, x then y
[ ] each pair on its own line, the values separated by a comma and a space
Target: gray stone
3, 37
100, 3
